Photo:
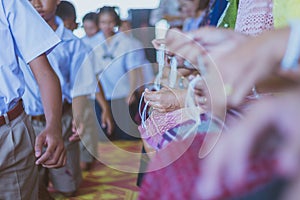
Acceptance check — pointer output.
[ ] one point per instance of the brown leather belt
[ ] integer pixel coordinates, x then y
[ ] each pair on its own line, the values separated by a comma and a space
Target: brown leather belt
12, 114
40, 118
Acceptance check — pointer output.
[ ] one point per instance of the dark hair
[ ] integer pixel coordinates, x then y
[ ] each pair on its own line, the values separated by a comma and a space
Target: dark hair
92, 16
66, 10
112, 11
203, 4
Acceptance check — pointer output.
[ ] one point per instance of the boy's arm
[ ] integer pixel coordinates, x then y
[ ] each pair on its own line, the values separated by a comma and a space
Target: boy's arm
51, 137
106, 117
80, 114
133, 84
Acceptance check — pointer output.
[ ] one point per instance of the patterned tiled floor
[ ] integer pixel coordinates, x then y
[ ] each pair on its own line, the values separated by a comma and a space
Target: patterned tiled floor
106, 183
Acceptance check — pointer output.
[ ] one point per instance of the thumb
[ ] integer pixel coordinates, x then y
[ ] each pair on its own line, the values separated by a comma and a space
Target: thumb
39, 141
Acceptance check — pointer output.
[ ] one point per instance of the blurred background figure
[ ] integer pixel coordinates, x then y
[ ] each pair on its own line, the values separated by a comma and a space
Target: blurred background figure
88, 142
169, 10
145, 73
193, 12
118, 71
93, 35
147, 69
90, 24
66, 11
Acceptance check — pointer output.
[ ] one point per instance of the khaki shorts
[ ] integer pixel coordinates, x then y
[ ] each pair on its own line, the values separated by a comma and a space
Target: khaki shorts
90, 138
18, 172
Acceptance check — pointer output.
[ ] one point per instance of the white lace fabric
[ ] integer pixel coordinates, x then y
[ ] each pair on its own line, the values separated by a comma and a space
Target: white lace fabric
254, 17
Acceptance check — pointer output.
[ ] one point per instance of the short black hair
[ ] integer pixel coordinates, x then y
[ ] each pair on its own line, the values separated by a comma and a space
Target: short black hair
92, 16
112, 11
66, 10
203, 4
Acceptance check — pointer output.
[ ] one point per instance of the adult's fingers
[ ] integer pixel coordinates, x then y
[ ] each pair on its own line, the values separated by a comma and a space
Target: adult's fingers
156, 105
208, 35
151, 95
157, 42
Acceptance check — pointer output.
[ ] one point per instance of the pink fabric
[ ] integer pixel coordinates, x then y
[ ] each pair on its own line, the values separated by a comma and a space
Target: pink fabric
158, 123
178, 179
254, 17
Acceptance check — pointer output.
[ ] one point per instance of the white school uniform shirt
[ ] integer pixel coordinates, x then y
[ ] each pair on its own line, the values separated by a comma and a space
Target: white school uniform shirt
192, 24
68, 59
93, 41
146, 66
166, 7
23, 34
113, 63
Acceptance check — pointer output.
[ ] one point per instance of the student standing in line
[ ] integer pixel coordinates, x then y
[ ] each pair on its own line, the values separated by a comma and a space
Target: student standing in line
70, 61
117, 72
67, 12
89, 140
19, 23
93, 36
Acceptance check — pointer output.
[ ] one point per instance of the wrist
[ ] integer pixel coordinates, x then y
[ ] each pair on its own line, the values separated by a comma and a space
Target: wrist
54, 125
104, 107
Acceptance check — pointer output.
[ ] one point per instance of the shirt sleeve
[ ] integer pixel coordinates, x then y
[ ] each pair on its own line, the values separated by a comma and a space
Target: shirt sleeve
135, 57
32, 35
83, 76
96, 56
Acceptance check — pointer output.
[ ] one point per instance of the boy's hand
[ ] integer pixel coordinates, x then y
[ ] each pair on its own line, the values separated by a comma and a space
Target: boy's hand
55, 154
77, 129
107, 121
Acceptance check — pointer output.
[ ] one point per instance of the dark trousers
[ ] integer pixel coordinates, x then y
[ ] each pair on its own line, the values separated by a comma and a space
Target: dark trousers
129, 131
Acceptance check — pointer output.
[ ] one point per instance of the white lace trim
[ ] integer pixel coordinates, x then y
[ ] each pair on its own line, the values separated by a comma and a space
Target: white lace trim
254, 17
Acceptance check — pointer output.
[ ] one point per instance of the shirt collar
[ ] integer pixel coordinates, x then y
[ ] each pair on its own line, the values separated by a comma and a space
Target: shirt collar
60, 26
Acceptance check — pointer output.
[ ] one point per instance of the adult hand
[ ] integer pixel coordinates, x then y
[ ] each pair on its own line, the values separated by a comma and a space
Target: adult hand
55, 154
207, 40
247, 64
157, 42
211, 45
228, 162
229, 56
201, 93
166, 99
